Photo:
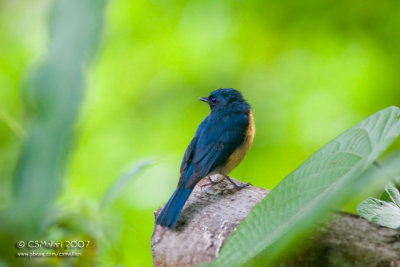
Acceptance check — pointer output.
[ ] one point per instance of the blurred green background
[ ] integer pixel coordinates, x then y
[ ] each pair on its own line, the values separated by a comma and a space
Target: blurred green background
310, 70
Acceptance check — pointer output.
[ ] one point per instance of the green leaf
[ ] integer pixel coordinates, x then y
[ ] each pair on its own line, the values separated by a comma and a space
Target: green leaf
380, 212
305, 196
384, 211
393, 193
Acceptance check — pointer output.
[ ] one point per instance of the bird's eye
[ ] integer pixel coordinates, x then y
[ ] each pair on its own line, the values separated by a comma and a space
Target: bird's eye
213, 100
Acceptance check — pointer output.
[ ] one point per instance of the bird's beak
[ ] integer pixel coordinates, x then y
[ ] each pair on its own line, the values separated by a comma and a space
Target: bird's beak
205, 99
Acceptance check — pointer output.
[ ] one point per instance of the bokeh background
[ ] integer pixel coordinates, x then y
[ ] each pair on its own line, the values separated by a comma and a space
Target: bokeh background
309, 69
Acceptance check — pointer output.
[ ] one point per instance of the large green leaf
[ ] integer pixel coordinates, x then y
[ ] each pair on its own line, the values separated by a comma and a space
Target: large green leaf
306, 195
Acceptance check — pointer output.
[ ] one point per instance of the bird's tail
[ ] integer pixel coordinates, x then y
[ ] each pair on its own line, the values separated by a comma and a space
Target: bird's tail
170, 213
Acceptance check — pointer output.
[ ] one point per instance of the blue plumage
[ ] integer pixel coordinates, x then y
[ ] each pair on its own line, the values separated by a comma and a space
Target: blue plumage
217, 137
170, 214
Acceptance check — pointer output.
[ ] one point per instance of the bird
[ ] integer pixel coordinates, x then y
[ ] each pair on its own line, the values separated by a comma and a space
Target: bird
220, 143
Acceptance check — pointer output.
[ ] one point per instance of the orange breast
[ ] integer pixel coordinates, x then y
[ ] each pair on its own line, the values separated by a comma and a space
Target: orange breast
238, 155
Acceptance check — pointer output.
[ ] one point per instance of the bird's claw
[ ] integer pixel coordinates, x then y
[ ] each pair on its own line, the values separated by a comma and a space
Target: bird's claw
218, 191
212, 182
235, 184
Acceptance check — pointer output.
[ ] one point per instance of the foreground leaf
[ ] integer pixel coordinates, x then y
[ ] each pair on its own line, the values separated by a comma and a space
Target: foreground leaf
306, 195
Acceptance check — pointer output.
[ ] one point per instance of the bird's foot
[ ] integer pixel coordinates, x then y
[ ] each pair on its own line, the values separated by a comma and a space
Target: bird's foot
235, 184
212, 182
214, 190
224, 189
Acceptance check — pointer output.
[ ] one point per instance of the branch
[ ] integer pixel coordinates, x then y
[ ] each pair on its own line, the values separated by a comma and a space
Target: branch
211, 215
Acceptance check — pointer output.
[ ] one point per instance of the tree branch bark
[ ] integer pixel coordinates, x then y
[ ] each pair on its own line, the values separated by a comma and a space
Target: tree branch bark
212, 214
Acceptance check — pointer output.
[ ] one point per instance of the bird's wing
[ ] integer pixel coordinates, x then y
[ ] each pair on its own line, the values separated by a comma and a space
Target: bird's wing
187, 159
214, 145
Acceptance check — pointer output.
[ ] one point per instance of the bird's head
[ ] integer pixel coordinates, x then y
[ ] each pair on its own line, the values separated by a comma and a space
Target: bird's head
225, 98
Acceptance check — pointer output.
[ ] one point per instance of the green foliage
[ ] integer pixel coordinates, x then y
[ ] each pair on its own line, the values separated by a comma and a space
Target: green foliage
306, 195
309, 71
384, 211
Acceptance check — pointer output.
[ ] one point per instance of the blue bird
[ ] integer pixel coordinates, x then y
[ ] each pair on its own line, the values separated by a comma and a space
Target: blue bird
221, 141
